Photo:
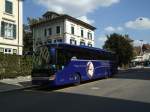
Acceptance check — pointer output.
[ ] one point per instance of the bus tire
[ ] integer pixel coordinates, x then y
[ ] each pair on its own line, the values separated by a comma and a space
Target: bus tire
77, 79
106, 76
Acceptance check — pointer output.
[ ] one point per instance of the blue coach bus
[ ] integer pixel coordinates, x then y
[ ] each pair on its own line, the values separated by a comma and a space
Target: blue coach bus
60, 64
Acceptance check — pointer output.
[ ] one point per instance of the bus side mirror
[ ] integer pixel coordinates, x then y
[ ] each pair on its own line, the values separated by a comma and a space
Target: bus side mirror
62, 67
74, 58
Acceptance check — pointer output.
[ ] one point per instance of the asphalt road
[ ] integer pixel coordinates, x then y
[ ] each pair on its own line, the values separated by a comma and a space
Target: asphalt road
126, 92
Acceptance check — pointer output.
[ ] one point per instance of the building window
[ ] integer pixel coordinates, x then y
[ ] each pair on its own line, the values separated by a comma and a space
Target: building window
59, 40
72, 30
49, 41
50, 31
82, 33
8, 51
45, 32
89, 44
55, 41
58, 30
8, 30
14, 51
82, 43
1, 50
8, 7
73, 42
89, 35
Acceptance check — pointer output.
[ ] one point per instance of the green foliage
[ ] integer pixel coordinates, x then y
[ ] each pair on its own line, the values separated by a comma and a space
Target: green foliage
32, 21
27, 34
27, 40
12, 66
122, 46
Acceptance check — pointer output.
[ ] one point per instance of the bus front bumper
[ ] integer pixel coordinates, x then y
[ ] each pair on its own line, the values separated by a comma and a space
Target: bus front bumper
42, 81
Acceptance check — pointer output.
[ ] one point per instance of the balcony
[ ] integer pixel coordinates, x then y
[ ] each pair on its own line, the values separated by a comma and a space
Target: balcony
58, 36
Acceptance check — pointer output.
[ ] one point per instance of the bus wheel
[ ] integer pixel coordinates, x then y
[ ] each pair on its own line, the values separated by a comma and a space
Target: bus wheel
106, 76
77, 79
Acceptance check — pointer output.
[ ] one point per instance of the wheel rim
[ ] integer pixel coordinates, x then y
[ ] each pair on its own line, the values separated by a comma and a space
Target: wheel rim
77, 79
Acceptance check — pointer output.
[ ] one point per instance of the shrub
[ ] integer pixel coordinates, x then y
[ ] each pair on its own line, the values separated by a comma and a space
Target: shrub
12, 66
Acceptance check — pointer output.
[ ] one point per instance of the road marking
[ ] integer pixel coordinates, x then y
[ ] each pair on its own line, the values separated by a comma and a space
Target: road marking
95, 88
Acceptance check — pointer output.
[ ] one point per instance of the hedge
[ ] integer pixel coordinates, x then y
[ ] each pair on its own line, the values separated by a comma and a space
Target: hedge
12, 66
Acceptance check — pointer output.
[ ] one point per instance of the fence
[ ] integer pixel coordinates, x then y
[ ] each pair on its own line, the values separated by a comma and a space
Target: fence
12, 66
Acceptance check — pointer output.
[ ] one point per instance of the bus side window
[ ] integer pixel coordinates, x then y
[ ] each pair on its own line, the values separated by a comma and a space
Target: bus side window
53, 55
63, 58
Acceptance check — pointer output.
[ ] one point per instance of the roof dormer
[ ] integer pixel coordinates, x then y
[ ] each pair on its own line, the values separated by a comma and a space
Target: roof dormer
50, 15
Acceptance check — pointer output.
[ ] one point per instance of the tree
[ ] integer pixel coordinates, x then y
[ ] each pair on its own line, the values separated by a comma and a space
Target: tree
27, 39
27, 35
32, 20
122, 46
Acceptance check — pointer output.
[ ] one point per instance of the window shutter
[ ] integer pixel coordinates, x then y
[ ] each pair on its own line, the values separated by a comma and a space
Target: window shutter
50, 31
72, 30
58, 30
14, 31
2, 28
82, 33
8, 7
45, 32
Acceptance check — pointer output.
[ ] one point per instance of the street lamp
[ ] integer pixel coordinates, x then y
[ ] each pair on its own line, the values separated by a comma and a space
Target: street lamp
141, 52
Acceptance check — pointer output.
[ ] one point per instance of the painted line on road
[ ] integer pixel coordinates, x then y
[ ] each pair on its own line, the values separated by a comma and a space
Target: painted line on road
95, 88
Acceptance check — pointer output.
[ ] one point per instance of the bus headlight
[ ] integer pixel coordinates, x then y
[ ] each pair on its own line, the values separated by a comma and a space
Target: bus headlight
52, 77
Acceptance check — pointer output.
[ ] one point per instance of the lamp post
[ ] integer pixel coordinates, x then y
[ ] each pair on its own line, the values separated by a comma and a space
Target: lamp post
141, 52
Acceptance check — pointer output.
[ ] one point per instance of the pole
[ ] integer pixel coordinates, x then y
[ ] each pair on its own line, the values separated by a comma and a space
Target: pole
141, 52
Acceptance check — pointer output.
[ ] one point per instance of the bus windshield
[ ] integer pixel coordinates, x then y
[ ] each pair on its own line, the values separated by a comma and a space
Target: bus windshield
47, 58
42, 58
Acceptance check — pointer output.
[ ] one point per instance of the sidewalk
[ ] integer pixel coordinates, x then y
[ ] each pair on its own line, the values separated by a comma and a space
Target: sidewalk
15, 84
123, 70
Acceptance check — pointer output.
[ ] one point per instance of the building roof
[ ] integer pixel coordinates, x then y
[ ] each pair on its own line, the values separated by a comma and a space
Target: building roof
61, 17
147, 51
49, 13
146, 47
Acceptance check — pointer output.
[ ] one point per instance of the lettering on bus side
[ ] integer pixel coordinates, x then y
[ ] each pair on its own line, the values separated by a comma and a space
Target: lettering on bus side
105, 64
79, 66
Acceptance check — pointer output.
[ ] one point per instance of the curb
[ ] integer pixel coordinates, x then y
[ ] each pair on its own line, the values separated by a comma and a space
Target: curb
21, 88
124, 71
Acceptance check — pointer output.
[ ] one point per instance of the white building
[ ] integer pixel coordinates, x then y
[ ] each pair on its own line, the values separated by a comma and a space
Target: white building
61, 28
11, 27
146, 55
143, 60
138, 59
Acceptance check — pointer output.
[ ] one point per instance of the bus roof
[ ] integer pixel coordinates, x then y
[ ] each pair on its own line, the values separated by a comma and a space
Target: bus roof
64, 45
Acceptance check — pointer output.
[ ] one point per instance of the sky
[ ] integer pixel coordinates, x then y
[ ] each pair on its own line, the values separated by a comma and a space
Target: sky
130, 17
